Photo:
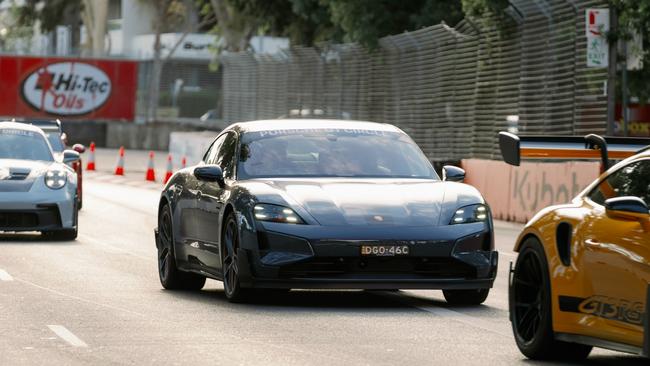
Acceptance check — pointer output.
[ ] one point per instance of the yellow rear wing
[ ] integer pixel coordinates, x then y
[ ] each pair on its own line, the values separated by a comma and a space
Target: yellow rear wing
515, 148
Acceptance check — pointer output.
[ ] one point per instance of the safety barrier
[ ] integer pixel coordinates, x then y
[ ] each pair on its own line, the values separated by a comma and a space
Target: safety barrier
517, 193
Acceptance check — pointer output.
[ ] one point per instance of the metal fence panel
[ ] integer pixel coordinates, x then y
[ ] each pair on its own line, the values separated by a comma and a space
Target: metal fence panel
450, 88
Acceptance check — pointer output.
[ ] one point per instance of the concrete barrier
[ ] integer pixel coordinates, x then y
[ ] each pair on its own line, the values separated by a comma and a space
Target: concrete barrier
149, 136
517, 193
191, 145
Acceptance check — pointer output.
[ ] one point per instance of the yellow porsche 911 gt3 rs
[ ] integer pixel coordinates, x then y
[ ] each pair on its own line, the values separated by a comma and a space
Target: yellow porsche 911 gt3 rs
581, 277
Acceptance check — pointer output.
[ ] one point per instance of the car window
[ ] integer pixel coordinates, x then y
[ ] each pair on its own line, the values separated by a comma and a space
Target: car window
332, 153
54, 137
631, 180
23, 145
211, 155
226, 155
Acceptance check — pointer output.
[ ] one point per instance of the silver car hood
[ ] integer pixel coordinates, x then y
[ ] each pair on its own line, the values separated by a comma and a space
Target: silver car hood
19, 175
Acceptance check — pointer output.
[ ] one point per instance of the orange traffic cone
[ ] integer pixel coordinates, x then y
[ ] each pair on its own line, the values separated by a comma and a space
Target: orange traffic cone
151, 173
170, 168
183, 162
119, 170
91, 157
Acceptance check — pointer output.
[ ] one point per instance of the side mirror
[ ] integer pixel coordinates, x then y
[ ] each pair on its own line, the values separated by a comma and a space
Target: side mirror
629, 208
452, 173
70, 156
209, 173
79, 148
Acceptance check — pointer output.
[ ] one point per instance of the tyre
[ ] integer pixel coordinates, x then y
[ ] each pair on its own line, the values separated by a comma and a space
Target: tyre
80, 201
531, 312
230, 264
466, 297
171, 278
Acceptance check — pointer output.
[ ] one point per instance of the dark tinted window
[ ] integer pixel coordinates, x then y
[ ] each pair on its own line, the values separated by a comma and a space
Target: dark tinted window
332, 153
226, 155
23, 145
632, 180
211, 155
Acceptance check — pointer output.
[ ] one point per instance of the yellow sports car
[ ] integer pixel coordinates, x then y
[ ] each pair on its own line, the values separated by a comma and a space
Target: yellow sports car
582, 274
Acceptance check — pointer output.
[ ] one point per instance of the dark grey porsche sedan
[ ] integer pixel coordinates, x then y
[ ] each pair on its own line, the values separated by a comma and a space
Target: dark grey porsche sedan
303, 204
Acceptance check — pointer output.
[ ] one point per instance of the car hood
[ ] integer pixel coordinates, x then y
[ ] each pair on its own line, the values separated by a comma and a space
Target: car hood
19, 175
334, 202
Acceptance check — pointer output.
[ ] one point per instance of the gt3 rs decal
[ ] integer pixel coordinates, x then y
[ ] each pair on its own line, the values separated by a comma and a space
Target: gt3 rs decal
605, 307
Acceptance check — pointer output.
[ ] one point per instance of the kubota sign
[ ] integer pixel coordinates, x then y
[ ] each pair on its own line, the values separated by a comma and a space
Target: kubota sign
68, 88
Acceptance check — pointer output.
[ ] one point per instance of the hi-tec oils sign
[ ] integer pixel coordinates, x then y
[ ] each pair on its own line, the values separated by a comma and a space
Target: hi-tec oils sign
67, 88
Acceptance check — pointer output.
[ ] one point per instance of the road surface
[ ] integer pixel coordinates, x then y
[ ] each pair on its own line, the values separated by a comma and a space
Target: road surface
98, 301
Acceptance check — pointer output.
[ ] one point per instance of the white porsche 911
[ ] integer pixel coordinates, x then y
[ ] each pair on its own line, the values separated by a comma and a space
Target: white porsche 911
38, 192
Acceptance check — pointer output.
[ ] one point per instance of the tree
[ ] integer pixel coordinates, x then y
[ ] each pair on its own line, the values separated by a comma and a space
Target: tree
307, 22
634, 18
95, 18
169, 15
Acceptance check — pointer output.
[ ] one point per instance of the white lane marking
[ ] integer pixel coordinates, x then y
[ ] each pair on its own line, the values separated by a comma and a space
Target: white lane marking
507, 254
4, 276
67, 335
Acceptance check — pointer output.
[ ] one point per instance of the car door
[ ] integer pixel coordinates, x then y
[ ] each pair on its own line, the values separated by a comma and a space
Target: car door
211, 202
617, 258
190, 210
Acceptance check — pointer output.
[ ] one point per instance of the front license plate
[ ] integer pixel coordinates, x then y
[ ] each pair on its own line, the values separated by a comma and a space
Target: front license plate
384, 250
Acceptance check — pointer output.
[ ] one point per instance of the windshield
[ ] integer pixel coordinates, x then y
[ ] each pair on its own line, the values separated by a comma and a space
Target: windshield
23, 145
54, 137
332, 153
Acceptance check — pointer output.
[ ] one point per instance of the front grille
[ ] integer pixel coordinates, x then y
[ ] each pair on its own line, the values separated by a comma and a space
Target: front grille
44, 217
18, 175
333, 267
18, 220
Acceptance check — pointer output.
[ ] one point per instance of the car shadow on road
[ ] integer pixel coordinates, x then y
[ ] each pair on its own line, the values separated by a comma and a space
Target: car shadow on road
622, 359
316, 300
31, 238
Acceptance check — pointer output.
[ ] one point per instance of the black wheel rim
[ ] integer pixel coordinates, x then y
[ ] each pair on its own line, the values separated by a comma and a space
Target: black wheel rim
230, 268
164, 251
529, 297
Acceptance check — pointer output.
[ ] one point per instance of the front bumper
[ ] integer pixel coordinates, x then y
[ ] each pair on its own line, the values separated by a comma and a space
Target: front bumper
37, 211
300, 257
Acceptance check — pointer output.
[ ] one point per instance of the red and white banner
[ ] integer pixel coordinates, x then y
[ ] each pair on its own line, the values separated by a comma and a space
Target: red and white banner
67, 88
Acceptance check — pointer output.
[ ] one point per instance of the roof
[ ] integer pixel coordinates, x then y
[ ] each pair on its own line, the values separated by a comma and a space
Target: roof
48, 124
308, 124
20, 126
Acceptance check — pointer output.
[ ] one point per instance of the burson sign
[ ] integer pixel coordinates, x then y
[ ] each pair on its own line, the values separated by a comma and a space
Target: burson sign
67, 88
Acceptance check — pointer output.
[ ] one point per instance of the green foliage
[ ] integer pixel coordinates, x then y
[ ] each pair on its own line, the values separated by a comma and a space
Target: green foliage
634, 17
365, 21
50, 14
307, 22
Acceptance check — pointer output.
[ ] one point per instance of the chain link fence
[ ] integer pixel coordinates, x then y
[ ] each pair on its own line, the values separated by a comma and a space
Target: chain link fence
450, 88
188, 89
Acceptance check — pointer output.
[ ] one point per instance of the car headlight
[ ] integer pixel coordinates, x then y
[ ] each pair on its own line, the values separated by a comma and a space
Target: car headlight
56, 179
470, 214
275, 213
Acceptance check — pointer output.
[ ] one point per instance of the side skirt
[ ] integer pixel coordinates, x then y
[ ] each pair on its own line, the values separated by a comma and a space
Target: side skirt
600, 343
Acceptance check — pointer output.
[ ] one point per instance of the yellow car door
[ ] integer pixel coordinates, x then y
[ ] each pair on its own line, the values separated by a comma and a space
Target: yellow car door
615, 238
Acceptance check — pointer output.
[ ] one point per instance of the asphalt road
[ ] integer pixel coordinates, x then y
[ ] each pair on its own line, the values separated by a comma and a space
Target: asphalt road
98, 301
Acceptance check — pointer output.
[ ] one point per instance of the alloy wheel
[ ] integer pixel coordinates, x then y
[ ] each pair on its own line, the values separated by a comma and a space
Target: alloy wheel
529, 296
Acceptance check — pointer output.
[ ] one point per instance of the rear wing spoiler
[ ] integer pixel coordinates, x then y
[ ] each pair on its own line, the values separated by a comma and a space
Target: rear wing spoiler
514, 148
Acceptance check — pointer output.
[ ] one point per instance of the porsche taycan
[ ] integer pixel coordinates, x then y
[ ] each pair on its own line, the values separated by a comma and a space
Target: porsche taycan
301, 204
